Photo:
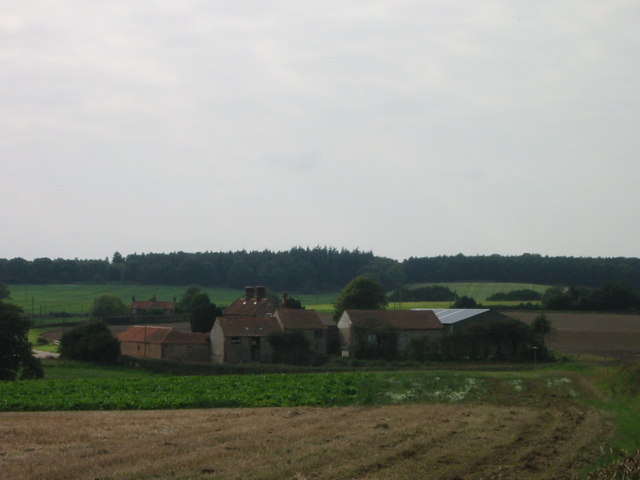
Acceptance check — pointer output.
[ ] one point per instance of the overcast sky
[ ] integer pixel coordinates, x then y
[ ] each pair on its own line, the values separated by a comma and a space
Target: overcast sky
408, 128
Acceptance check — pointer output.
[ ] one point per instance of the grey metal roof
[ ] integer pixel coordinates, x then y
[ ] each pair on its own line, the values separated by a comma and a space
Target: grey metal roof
449, 316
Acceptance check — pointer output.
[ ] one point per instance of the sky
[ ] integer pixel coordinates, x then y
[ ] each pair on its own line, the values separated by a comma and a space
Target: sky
409, 128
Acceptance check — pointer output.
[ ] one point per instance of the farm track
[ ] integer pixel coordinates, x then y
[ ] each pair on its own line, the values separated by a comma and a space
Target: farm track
391, 442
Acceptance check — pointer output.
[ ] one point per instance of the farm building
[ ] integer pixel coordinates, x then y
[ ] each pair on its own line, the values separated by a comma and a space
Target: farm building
459, 318
253, 304
374, 327
164, 343
239, 340
245, 338
151, 306
309, 323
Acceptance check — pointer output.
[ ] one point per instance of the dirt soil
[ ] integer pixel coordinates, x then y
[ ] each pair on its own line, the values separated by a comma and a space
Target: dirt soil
390, 442
605, 334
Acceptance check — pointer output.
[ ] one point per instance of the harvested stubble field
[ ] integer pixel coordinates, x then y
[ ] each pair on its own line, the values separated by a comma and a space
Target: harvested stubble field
385, 442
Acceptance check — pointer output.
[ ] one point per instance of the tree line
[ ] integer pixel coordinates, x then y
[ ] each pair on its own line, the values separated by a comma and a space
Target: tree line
319, 269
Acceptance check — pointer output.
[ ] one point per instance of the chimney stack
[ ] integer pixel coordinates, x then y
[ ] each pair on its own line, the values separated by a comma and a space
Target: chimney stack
260, 292
248, 293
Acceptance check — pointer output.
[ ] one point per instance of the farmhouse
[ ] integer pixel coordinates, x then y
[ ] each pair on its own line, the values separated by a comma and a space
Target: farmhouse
253, 304
359, 328
151, 306
164, 343
236, 339
239, 340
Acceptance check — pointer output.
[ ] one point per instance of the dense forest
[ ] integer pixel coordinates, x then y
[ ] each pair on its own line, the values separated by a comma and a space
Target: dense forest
319, 269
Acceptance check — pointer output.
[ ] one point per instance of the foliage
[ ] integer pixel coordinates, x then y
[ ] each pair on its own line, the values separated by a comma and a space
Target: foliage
421, 349
318, 269
192, 297
432, 293
107, 305
501, 339
16, 358
610, 296
204, 313
310, 389
362, 293
92, 342
4, 291
465, 302
375, 342
290, 302
290, 347
523, 295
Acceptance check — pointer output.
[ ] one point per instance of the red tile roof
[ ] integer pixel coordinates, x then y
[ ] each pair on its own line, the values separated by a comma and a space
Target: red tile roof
248, 326
249, 307
297, 319
160, 335
397, 319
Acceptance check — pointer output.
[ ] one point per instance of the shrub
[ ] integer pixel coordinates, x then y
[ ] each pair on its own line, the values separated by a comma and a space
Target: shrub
90, 342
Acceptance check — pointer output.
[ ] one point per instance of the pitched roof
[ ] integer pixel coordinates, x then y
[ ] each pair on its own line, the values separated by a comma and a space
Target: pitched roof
247, 306
160, 335
397, 319
152, 305
450, 316
248, 326
298, 319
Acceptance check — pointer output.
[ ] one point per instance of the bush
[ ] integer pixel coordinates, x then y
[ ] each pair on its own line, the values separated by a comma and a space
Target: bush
90, 342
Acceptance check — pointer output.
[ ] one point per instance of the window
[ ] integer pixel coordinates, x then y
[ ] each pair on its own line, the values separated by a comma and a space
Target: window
235, 340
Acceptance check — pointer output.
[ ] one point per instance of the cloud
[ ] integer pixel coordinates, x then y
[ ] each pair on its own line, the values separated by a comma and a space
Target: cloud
407, 128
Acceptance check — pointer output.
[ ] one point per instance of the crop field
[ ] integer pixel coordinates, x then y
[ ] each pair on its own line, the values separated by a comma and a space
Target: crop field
607, 334
391, 425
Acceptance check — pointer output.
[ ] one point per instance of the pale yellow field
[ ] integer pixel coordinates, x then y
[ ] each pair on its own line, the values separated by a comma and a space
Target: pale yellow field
391, 442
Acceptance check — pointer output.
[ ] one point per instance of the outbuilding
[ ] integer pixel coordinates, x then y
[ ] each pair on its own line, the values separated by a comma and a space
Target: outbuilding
359, 328
164, 343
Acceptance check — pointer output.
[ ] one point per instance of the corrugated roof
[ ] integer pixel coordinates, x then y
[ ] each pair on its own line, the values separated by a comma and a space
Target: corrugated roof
298, 319
398, 319
248, 326
160, 335
449, 316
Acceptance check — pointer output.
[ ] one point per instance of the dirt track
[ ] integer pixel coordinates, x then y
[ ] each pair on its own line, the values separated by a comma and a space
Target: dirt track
393, 442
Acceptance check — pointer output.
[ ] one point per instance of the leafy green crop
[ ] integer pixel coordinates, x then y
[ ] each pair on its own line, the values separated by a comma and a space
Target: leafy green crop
275, 390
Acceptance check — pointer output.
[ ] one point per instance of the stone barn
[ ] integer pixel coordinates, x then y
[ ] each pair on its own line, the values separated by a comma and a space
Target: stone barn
361, 328
164, 343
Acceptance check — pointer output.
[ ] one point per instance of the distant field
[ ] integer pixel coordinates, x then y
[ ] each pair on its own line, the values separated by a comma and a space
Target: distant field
43, 299
480, 291
608, 334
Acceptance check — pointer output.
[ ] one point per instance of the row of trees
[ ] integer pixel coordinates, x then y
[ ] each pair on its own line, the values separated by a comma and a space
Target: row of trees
319, 269
610, 296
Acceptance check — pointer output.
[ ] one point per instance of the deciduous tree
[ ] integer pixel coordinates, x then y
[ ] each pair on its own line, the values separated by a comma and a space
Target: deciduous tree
16, 358
362, 293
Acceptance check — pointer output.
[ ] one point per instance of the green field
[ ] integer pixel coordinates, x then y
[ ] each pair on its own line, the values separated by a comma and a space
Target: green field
43, 299
123, 391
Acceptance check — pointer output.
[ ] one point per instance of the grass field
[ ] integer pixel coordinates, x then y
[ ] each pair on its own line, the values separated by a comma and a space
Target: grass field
42, 299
